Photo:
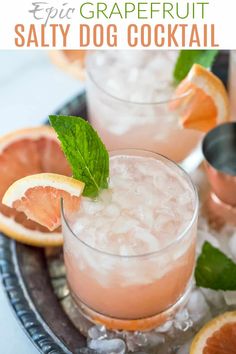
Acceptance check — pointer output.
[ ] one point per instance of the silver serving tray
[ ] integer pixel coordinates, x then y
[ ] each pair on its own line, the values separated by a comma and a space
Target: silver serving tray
29, 289
28, 285
34, 278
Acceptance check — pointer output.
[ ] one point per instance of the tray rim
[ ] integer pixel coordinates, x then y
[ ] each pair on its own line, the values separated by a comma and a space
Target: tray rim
29, 318
20, 302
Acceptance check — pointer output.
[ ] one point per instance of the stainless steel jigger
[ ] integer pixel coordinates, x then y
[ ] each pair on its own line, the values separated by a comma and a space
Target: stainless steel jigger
219, 150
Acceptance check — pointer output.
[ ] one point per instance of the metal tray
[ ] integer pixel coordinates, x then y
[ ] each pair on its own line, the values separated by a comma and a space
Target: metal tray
28, 285
34, 279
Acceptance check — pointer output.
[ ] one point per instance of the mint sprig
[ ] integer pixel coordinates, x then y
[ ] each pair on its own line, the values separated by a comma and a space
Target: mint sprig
187, 58
85, 152
214, 270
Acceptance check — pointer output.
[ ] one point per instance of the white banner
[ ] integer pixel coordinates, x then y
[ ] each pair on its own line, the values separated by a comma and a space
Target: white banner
108, 24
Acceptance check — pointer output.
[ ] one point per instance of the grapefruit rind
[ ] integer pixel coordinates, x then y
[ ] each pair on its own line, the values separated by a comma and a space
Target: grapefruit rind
213, 87
29, 237
199, 341
8, 224
17, 189
26, 195
33, 133
203, 102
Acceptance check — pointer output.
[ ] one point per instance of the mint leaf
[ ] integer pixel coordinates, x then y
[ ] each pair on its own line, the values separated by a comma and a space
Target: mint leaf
187, 58
84, 151
214, 270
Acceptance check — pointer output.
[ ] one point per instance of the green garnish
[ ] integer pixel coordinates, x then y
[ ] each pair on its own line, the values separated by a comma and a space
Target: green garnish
187, 58
85, 152
214, 270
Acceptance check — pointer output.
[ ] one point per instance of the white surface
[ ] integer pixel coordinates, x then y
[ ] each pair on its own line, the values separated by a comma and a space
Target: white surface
210, 12
31, 88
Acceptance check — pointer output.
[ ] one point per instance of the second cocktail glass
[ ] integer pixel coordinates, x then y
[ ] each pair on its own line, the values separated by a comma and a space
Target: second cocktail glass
129, 97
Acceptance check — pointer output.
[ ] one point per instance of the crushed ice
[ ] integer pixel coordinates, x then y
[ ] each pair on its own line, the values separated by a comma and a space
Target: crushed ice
175, 335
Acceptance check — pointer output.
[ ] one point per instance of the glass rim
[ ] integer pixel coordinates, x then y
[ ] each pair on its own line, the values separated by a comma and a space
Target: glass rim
165, 248
122, 100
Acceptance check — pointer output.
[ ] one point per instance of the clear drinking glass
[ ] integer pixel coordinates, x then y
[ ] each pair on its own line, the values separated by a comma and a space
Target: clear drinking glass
130, 95
133, 292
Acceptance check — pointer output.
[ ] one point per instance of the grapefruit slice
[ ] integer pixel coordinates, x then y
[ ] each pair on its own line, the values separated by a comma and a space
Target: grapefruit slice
217, 337
38, 197
26, 152
204, 101
70, 61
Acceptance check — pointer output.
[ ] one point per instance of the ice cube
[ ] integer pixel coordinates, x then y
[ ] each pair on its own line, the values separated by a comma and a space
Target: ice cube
133, 75
143, 340
135, 340
108, 346
198, 308
113, 85
120, 186
126, 67
214, 298
105, 197
126, 199
90, 206
230, 297
124, 224
97, 332
145, 215
155, 339
165, 327
185, 198
145, 239
137, 241
100, 58
182, 320
146, 192
112, 211
166, 222
157, 62
81, 223
100, 222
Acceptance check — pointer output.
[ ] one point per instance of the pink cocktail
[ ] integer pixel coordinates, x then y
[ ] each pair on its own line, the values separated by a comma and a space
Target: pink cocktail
130, 253
129, 96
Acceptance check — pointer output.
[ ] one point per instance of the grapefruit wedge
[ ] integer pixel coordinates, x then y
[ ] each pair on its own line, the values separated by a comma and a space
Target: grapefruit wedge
22, 153
70, 61
217, 337
38, 197
203, 102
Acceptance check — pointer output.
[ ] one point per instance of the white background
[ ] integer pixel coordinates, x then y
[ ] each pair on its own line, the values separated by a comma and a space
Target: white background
221, 13
30, 89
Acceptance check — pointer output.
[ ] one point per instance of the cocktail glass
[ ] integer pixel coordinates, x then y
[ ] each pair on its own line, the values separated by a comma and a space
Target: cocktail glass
129, 97
120, 273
